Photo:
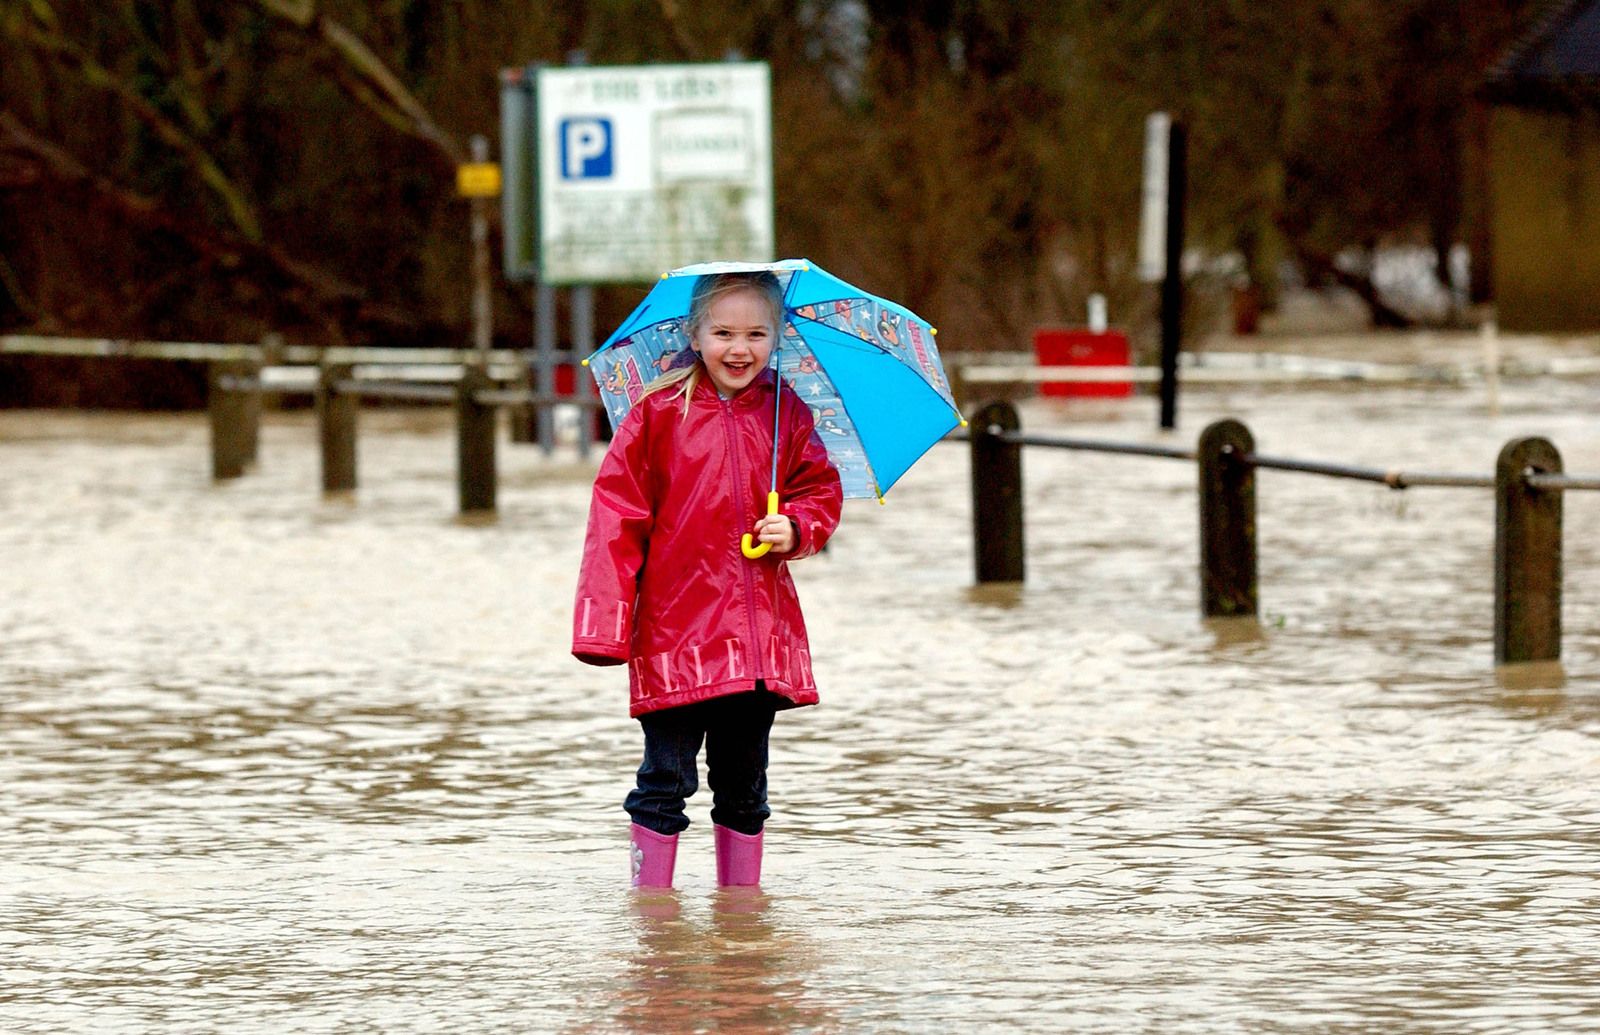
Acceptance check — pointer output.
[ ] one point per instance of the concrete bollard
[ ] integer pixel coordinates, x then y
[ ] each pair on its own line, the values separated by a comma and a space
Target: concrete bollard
232, 436
336, 428
996, 495
475, 458
1527, 555
1227, 522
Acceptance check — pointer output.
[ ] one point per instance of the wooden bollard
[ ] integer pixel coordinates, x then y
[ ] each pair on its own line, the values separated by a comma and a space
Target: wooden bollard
523, 421
250, 411
475, 426
231, 435
1227, 522
1527, 555
336, 428
996, 495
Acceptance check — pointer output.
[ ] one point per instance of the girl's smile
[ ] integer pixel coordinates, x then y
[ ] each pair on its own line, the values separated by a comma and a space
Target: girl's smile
735, 341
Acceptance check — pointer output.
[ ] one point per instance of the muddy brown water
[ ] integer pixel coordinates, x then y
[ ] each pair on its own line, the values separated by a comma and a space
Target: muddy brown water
274, 762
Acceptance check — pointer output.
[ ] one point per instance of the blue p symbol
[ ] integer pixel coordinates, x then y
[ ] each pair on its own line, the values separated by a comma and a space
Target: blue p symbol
585, 148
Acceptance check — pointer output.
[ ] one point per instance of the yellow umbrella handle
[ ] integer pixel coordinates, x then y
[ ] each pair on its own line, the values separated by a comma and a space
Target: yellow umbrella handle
753, 552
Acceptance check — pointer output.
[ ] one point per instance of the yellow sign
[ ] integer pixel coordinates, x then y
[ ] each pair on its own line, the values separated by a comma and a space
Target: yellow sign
478, 180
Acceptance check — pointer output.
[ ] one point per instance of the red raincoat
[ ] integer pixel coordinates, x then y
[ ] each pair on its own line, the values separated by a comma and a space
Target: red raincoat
663, 585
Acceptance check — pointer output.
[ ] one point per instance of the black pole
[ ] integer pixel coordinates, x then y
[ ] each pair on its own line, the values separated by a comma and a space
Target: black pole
1172, 282
996, 495
1227, 522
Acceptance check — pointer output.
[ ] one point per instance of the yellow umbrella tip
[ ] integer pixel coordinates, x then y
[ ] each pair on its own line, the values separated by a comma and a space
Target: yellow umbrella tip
586, 363
934, 331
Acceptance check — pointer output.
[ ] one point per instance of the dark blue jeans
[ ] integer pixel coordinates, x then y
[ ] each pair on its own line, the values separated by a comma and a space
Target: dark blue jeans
734, 730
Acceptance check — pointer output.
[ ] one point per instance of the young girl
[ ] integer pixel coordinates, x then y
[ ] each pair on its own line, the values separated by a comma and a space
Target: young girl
714, 642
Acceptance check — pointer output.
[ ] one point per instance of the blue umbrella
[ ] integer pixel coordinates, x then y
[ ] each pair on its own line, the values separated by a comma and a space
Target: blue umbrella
867, 367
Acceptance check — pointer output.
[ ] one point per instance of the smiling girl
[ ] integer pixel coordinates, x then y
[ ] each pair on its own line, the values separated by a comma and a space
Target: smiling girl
714, 642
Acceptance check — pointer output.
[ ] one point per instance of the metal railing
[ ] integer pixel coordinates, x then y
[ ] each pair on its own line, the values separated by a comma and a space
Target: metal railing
1529, 484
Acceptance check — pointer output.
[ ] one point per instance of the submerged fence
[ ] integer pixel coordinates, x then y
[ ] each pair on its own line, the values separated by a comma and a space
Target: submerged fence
477, 383
1529, 483
235, 410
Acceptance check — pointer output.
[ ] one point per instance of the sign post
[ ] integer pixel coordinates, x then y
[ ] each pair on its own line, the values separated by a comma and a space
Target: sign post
1161, 243
480, 181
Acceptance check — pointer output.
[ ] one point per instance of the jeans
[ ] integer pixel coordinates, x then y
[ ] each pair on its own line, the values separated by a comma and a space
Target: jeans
735, 731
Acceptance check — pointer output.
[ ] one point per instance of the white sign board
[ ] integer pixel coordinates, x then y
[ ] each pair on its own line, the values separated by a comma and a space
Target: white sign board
646, 168
1153, 207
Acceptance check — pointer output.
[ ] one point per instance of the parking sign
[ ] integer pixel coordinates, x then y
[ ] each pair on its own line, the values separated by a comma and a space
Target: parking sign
585, 148
643, 169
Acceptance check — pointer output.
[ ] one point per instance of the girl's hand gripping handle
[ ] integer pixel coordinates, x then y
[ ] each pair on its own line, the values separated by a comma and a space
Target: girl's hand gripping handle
745, 546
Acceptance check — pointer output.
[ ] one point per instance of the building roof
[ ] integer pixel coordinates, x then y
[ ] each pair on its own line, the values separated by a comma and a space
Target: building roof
1556, 64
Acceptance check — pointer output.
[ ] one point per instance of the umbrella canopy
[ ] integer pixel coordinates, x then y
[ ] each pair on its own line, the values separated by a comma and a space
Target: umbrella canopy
867, 368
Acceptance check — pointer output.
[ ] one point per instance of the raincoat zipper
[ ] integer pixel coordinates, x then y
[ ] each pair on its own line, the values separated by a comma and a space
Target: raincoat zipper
741, 492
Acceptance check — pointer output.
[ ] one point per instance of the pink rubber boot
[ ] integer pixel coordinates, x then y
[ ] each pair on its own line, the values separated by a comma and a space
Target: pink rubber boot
653, 857
738, 858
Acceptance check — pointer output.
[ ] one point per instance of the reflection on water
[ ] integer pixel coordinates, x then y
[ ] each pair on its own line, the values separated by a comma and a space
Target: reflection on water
275, 761
1532, 675
737, 966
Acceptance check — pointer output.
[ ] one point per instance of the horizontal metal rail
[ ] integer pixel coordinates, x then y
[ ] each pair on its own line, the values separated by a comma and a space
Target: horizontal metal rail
406, 390
1192, 374
1392, 478
517, 397
396, 390
1562, 482
128, 348
1095, 446
22, 344
1275, 368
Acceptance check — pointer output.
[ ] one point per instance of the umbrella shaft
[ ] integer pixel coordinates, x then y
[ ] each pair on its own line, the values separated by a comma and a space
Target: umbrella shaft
777, 408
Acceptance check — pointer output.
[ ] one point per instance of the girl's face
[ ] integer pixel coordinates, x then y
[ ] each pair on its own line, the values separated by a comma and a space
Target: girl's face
735, 339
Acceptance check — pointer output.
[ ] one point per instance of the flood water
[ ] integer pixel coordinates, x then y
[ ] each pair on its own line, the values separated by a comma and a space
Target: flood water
275, 762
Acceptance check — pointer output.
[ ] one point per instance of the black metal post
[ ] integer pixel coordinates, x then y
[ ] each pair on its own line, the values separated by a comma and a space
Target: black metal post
996, 495
1227, 522
1172, 282
1527, 555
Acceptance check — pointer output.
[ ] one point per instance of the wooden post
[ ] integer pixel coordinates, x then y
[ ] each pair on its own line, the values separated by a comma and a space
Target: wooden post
996, 495
336, 427
250, 413
1527, 555
475, 460
1227, 522
229, 420
521, 416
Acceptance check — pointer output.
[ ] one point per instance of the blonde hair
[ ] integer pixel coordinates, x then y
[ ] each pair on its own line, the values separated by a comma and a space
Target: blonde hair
708, 289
